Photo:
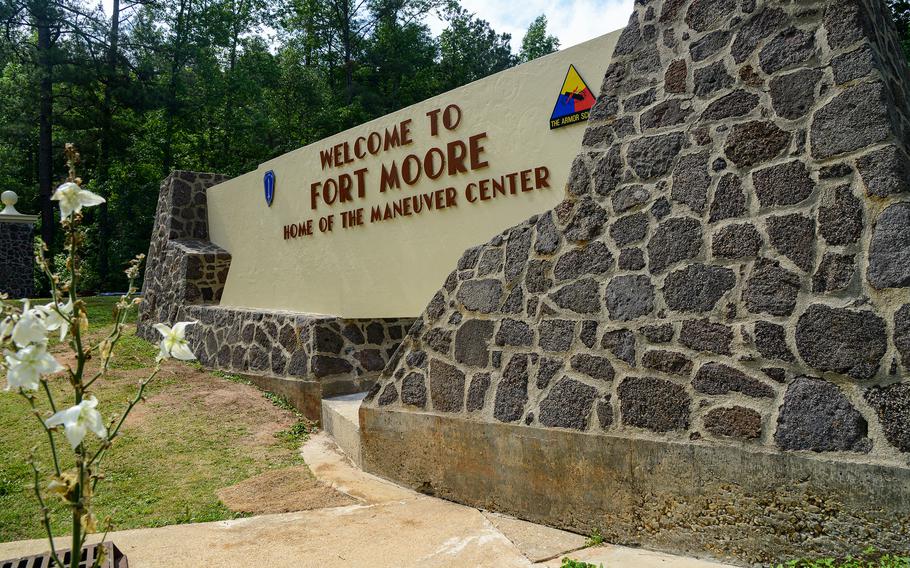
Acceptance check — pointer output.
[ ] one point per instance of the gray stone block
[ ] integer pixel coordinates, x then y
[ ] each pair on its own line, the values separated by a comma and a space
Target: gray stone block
816, 416
568, 405
889, 252
653, 404
841, 340
629, 297
717, 378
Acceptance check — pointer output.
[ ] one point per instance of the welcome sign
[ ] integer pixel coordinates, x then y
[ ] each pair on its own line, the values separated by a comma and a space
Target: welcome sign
455, 157
369, 222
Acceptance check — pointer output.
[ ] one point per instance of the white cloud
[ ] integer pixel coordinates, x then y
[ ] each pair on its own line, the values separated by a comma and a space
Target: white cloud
572, 21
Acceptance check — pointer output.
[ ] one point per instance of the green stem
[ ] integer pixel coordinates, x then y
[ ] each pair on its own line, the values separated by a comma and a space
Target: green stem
78, 503
45, 513
76, 550
50, 397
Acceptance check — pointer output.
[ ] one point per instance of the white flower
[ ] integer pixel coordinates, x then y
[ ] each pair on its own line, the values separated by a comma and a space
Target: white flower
54, 321
28, 365
30, 327
174, 342
79, 419
73, 198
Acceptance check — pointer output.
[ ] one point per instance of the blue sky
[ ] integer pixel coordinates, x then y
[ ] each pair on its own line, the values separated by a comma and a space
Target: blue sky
572, 21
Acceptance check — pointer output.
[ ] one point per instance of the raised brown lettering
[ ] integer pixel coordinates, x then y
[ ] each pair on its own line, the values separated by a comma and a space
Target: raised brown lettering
325, 157
513, 182
429, 163
475, 151
344, 188
450, 197
374, 143
410, 169
434, 122
456, 152
406, 132
526, 180
451, 117
330, 191
499, 186
469, 192
388, 178
392, 138
314, 194
361, 182
541, 177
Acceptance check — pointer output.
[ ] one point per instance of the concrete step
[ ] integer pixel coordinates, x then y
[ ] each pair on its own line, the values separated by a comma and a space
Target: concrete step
341, 421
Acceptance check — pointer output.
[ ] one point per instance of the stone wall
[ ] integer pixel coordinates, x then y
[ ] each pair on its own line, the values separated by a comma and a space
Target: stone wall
730, 267
328, 355
17, 259
182, 266
306, 357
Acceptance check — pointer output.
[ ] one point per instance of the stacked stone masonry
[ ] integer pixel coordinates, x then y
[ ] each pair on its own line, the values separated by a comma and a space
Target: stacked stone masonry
182, 266
184, 279
17, 259
731, 264
289, 344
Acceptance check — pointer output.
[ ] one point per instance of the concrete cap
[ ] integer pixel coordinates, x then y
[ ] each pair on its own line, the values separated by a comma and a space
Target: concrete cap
9, 212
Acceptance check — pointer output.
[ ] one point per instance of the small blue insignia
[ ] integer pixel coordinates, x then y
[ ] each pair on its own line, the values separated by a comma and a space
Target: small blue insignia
269, 182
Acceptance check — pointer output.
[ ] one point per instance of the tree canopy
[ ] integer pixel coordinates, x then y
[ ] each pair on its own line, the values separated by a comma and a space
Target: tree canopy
216, 85
537, 42
208, 85
901, 11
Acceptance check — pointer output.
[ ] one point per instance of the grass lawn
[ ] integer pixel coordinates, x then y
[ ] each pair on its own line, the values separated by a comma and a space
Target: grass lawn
196, 433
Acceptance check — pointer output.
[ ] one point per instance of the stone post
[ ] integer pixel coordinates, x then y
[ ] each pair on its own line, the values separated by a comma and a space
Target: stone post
17, 249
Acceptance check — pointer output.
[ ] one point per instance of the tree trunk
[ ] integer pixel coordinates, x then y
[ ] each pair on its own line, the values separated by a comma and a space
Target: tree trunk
347, 17
104, 158
229, 99
171, 106
45, 123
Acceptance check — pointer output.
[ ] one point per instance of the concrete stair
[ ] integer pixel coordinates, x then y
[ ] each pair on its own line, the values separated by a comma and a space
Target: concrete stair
341, 421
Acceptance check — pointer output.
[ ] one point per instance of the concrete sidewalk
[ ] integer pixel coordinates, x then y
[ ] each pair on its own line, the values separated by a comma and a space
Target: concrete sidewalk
390, 527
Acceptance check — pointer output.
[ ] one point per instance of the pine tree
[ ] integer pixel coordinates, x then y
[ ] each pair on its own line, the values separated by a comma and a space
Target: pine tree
536, 42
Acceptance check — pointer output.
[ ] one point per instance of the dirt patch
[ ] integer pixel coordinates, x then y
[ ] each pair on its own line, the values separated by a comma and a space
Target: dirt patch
200, 391
281, 491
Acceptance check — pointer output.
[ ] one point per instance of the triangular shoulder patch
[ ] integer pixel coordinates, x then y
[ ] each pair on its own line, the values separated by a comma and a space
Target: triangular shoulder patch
574, 102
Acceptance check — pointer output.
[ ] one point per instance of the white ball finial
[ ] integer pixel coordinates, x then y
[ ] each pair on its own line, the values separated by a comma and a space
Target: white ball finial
9, 213
9, 199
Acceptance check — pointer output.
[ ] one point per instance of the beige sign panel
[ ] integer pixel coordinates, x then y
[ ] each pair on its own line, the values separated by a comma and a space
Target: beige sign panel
369, 222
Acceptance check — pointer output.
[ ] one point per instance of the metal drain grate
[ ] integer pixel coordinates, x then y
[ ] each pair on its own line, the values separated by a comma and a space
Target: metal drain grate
114, 558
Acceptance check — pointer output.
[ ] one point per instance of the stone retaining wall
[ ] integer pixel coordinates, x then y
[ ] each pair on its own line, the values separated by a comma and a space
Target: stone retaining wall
17, 259
731, 264
303, 356
182, 266
327, 355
